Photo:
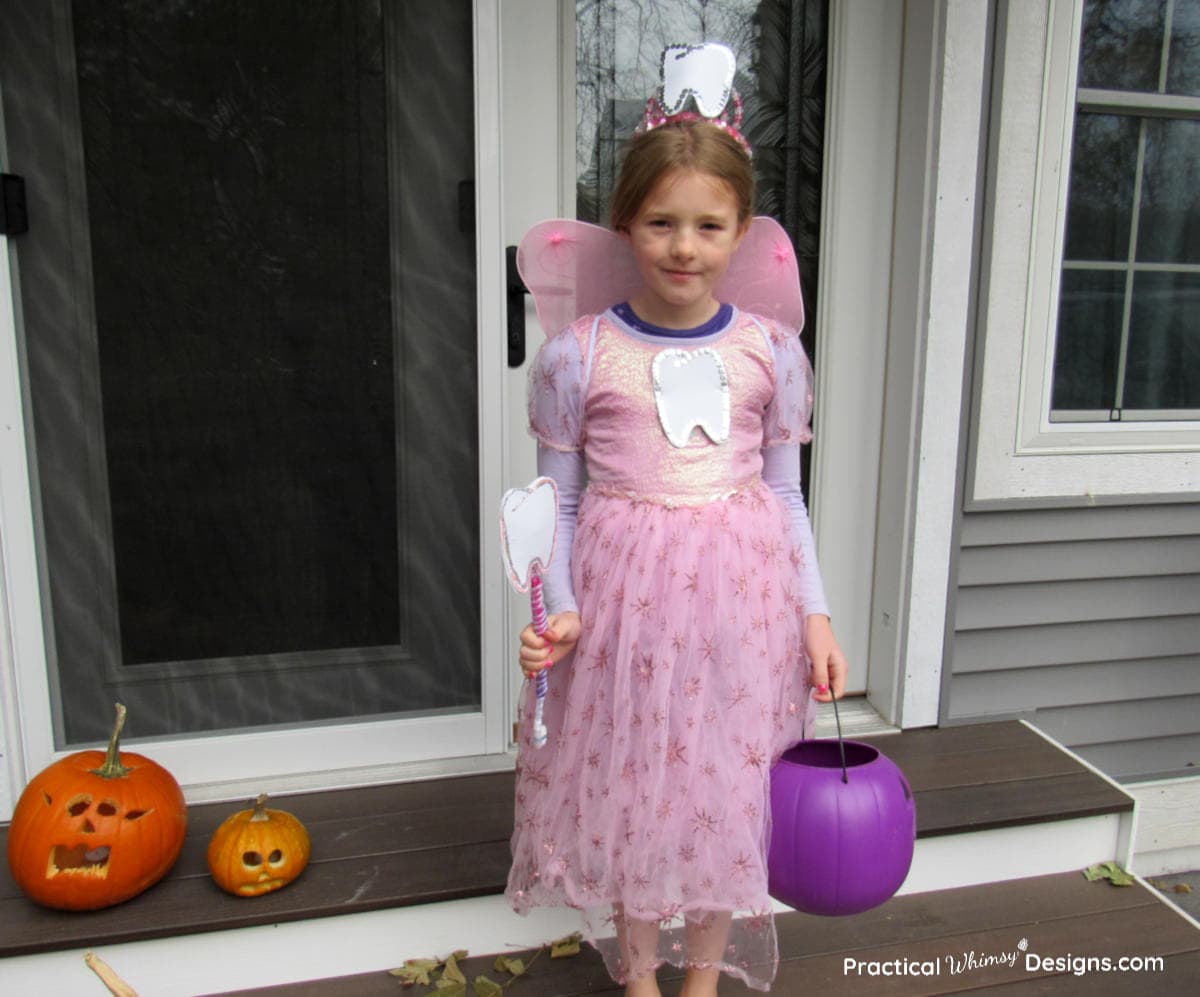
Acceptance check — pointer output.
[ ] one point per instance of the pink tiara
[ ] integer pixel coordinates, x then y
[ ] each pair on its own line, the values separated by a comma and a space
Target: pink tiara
702, 74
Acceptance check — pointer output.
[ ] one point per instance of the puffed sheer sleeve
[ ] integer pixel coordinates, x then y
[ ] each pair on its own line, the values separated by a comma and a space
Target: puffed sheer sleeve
570, 475
786, 427
781, 472
556, 392
556, 389
789, 415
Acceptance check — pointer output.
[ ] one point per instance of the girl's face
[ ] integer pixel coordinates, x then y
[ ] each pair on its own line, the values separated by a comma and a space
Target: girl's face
683, 238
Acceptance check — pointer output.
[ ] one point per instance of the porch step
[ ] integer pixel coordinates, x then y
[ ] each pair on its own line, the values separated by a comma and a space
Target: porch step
1030, 935
994, 802
1001, 801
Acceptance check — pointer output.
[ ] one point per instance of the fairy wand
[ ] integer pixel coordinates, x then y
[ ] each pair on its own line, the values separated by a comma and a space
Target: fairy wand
528, 526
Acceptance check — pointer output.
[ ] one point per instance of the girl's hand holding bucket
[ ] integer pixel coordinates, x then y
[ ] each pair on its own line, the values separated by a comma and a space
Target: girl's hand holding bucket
828, 662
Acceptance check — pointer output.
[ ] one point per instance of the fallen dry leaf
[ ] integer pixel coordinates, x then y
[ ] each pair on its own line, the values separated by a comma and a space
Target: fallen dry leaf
565, 946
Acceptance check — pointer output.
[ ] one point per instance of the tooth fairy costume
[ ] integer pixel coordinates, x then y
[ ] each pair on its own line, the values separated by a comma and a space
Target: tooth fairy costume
684, 544
689, 557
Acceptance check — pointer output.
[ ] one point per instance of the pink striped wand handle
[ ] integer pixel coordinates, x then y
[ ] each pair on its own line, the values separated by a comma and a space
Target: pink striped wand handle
538, 605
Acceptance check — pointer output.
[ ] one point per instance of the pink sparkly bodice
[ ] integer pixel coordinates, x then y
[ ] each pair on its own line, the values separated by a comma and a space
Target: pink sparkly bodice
627, 450
610, 411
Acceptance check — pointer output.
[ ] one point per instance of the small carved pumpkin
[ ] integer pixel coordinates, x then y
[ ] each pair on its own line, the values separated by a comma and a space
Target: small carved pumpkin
256, 851
96, 828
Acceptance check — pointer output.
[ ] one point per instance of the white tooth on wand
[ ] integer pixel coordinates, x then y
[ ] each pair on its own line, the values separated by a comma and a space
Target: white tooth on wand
691, 388
527, 518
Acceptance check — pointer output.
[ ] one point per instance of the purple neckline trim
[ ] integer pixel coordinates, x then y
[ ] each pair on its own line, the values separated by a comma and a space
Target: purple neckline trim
627, 315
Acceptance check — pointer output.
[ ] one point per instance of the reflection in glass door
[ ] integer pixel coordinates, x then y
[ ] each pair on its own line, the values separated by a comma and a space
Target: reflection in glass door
248, 303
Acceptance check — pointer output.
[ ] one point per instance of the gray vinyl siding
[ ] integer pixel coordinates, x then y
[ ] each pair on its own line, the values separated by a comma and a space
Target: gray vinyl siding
1086, 622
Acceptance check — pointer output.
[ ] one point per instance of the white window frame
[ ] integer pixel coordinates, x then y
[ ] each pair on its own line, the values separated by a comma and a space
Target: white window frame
1017, 452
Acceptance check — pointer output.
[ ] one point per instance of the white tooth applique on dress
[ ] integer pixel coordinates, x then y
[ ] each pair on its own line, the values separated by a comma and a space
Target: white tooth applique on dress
691, 388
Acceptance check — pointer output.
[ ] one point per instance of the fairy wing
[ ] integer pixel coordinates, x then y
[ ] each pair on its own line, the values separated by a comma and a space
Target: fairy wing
574, 268
763, 277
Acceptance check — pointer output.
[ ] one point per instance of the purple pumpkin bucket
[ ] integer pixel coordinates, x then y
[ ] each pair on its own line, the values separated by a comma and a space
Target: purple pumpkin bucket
842, 837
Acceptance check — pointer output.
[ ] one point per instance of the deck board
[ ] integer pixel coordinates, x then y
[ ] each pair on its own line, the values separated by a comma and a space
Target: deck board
959, 912
966, 756
1009, 804
195, 904
412, 843
1059, 915
354, 823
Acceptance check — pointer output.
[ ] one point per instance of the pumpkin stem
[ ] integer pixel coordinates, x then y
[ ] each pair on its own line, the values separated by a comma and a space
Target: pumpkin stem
112, 767
260, 809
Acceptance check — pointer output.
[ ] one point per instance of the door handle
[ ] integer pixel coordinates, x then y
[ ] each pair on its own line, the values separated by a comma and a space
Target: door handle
516, 308
14, 216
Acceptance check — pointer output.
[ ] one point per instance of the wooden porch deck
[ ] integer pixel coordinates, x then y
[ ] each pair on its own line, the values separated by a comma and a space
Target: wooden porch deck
395, 846
1060, 916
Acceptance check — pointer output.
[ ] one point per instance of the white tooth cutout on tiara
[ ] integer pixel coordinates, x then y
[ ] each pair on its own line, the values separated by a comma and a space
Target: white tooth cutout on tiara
702, 72
691, 388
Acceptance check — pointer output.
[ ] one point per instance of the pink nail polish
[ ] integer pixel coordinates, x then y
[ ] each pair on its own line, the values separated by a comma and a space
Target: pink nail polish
822, 688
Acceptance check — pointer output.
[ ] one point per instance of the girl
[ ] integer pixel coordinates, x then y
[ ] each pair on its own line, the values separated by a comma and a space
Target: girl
684, 590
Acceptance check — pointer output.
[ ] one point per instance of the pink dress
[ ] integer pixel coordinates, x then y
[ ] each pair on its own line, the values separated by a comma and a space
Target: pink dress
651, 800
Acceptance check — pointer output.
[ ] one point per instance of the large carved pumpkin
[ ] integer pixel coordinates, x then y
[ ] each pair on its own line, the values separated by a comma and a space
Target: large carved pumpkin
257, 851
96, 828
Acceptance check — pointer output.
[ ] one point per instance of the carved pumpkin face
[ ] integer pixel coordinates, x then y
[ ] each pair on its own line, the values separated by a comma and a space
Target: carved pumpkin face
257, 851
94, 829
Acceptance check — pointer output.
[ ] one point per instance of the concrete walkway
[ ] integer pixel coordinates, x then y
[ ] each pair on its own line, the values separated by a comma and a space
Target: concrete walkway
1168, 886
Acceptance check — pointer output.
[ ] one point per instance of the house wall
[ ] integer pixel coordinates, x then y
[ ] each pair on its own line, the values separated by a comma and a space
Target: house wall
1075, 568
1167, 839
1086, 621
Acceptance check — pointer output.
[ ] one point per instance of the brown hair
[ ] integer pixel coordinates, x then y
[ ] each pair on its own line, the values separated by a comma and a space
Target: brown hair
689, 146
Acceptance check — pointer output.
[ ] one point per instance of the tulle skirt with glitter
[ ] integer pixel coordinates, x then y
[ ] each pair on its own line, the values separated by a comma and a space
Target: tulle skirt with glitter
649, 808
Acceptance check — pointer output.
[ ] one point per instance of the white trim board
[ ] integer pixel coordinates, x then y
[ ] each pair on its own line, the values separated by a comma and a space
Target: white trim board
1005, 853
221, 961
21, 636
857, 203
1168, 830
933, 252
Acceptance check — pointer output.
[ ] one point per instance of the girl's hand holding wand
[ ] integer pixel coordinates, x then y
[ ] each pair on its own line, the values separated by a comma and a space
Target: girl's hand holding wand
829, 664
562, 634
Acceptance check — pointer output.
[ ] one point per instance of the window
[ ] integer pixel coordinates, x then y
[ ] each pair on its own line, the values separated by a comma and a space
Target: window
1087, 377
1088, 348
1128, 337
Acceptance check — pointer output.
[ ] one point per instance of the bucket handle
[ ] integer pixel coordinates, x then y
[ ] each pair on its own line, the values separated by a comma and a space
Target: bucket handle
841, 743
